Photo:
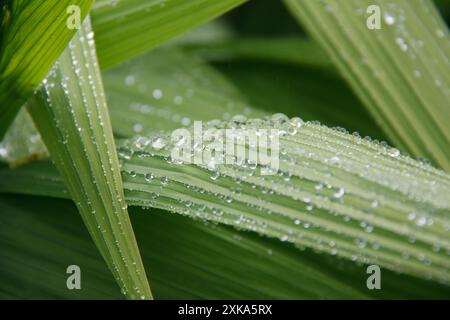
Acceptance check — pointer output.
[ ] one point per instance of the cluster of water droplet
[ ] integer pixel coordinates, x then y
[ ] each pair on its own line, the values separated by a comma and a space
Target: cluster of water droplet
333, 192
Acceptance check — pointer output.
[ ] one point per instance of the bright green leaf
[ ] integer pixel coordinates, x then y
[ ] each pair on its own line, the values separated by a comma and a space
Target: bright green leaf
70, 111
128, 28
33, 33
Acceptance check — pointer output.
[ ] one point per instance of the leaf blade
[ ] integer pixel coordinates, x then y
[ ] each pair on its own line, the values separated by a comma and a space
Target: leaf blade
128, 28
71, 114
400, 72
33, 35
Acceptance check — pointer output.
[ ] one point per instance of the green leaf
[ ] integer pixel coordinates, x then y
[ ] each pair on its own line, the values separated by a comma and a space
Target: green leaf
286, 50
169, 88
336, 193
401, 72
203, 261
33, 34
22, 142
160, 90
109, 19
295, 89
166, 89
128, 28
70, 111
184, 267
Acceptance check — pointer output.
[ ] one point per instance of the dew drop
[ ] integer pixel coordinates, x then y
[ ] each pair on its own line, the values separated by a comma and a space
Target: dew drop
214, 175
393, 152
339, 193
159, 143
164, 181
334, 160
137, 127
401, 43
178, 100
389, 19
157, 94
185, 121
130, 80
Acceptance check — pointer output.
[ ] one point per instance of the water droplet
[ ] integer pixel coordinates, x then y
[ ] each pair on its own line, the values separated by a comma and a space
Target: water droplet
421, 221
3, 151
339, 193
239, 118
137, 127
125, 153
214, 175
185, 121
401, 43
159, 143
296, 122
417, 73
389, 19
130, 80
178, 100
157, 94
279, 118
334, 160
164, 181
393, 152
149, 177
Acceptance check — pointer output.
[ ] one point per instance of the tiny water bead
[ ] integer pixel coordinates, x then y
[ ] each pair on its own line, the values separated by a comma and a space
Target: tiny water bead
178, 100
137, 127
339, 193
157, 94
185, 121
125, 153
389, 19
90, 35
393, 152
159, 143
130, 80
401, 43
164, 181
307, 173
149, 177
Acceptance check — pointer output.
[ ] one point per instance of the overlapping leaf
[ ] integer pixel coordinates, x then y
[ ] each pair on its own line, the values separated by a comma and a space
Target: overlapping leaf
33, 34
70, 111
126, 28
401, 71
